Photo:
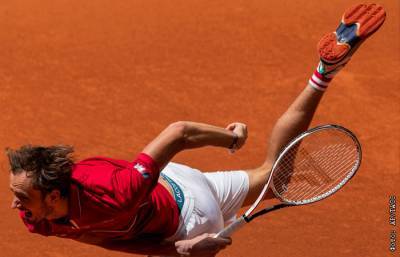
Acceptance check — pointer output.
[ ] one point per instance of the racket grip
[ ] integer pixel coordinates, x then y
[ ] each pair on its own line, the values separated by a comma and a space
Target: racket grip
228, 231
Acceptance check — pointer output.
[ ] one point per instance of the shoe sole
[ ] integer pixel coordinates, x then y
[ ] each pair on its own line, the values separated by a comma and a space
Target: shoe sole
357, 24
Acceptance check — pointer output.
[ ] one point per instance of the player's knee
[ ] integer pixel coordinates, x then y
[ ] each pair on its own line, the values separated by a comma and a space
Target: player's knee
258, 176
264, 169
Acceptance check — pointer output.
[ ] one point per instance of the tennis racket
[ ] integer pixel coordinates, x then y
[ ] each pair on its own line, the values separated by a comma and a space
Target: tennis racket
313, 166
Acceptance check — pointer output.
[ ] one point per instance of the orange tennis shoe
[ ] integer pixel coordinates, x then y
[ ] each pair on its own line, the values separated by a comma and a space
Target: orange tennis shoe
358, 23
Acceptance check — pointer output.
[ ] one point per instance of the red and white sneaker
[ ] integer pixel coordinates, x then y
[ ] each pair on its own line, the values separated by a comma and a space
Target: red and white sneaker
336, 48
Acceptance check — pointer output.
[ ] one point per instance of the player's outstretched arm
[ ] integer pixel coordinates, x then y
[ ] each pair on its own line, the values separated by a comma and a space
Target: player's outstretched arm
183, 135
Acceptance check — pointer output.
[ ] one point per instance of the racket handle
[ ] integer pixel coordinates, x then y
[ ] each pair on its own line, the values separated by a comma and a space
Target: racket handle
228, 231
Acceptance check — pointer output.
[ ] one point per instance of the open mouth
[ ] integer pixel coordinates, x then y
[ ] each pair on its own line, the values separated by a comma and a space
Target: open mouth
28, 214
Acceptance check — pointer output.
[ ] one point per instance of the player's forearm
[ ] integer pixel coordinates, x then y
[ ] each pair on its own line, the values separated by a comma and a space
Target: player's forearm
199, 135
182, 135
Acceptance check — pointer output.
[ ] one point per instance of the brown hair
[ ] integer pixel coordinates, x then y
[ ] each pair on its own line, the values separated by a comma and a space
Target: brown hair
49, 167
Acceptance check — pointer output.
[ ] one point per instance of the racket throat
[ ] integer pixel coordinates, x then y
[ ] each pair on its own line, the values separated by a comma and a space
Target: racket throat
247, 219
268, 209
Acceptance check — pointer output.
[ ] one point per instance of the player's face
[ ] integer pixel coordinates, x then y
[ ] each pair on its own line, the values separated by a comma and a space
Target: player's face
28, 199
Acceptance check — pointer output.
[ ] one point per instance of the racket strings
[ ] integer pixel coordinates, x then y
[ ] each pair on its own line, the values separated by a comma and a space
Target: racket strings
315, 165
313, 176
325, 174
313, 173
303, 191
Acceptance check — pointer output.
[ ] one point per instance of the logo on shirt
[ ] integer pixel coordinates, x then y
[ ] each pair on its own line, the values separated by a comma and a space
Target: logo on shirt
142, 170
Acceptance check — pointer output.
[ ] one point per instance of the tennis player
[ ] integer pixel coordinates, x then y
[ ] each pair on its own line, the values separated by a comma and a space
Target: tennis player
151, 205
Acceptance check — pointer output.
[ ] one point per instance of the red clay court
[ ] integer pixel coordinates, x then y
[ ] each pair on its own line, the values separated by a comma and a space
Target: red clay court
108, 76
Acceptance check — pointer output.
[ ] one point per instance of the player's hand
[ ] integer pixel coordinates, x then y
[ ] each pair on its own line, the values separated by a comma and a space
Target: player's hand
240, 129
204, 245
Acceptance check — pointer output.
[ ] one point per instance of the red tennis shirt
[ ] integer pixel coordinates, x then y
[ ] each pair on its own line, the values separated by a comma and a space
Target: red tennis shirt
114, 199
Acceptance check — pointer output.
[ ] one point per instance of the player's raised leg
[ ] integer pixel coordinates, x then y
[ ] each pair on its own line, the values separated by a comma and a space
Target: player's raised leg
335, 50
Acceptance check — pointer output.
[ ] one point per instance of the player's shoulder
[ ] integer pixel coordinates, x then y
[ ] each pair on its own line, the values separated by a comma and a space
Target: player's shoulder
101, 160
99, 166
95, 169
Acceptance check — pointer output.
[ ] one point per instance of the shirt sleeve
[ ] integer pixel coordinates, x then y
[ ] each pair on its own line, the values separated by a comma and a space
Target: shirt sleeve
133, 185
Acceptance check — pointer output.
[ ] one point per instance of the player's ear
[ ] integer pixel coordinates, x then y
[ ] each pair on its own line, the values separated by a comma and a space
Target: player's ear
53, 197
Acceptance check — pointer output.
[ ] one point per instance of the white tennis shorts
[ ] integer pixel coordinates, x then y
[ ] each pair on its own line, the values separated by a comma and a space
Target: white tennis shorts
211, 200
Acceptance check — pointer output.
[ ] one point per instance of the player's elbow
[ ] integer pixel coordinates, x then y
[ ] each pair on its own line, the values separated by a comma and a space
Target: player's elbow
179, 131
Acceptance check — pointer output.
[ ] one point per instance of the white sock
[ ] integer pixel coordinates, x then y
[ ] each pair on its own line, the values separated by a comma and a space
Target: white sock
318, 81
325, 73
